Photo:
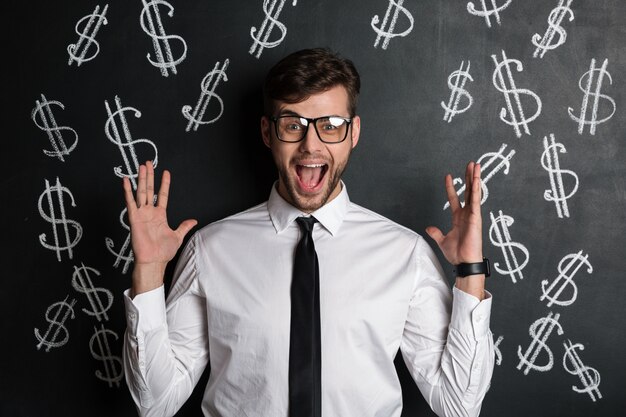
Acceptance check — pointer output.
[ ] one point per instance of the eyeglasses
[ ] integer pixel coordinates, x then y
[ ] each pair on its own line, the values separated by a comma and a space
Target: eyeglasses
330, 129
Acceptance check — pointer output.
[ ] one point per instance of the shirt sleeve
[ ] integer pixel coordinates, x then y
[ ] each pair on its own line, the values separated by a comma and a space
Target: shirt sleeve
165, 344
447, 345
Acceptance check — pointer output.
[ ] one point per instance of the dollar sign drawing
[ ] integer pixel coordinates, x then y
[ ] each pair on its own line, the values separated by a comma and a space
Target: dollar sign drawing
208, 85
500, 162
550, 162
125, 253
500, 237
153, 26
272, 9
458, 91
554, 21
57, 334
517, 118
101, 350
567, 277
87, 36
48, 124
59, 220
112, 131
81, 281
539, 331
589, 377
587, 89
387, 34
486, 12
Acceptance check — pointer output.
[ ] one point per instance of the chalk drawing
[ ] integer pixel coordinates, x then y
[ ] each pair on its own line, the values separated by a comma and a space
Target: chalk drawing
487, 12
565, 279
539, 331
150, 21
272, 9
82, 282
125, 255
460, 76
593, 121
555, 18
500, 237
101, 350
208, 85
589, 377
388, 25
87, 37
499, 161
512, 93
498, 352
126, 144
57, 334
57, 218
550, 162
44, 119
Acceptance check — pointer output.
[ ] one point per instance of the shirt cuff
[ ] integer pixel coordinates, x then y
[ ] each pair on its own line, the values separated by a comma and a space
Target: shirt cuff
146, 311
469, 315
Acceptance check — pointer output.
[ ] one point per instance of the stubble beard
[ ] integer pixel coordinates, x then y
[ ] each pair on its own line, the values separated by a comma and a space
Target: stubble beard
310, 204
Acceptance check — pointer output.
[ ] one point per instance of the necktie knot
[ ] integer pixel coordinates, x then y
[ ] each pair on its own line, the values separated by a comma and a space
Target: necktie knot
306, 223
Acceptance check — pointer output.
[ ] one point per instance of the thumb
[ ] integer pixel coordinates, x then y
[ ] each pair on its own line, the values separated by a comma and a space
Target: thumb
435, 234
185, 227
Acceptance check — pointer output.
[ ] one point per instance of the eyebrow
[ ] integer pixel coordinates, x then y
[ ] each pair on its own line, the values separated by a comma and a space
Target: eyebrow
292, 113
286, 112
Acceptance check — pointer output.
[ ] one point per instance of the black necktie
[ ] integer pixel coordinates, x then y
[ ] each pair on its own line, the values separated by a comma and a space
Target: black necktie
305, 361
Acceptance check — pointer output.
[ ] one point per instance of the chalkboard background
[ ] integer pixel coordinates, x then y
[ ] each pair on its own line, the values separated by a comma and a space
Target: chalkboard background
406, 148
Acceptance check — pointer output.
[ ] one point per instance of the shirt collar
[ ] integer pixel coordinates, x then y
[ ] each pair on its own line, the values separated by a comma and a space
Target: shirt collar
330, 215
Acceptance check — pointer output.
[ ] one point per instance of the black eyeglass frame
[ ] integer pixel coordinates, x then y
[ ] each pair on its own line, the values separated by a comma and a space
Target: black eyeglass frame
310, 121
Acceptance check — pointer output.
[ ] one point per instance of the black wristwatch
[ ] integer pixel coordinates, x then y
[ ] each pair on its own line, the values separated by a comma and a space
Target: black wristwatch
477, 268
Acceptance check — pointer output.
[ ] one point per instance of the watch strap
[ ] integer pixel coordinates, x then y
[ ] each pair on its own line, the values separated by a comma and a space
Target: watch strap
476, 268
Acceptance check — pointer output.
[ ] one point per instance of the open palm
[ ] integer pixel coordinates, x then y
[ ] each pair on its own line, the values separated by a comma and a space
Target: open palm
463, 243
153, 241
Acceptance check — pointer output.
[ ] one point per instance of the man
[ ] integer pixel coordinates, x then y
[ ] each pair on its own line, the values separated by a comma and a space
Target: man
378, 287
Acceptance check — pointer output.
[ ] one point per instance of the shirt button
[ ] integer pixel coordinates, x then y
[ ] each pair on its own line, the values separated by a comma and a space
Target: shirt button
478, 317
132, 316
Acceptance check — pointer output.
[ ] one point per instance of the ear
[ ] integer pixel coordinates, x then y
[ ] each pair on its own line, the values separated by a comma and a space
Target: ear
266, 130
356, 130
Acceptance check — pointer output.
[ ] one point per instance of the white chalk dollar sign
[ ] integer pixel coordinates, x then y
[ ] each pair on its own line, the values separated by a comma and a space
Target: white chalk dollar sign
589, 377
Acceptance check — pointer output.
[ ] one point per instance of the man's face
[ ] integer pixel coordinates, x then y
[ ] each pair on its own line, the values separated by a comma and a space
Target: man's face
309, 171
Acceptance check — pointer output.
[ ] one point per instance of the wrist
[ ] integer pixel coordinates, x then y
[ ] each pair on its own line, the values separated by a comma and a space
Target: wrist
469, 258
473, 285
147, 277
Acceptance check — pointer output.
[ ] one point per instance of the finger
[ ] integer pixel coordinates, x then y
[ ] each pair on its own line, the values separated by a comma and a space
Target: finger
435, 234
476, 190
149, 182
469, 169
453, 198
164, 189
131, 204
141, 186
185, 227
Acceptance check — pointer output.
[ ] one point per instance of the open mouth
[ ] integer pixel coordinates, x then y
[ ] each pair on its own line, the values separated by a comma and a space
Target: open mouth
311, 176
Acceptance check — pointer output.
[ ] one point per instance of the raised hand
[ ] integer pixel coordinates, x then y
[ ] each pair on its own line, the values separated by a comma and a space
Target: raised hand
463, 243
154, 242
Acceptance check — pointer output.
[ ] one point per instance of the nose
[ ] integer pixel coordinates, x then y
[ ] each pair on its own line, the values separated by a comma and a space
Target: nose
311, 142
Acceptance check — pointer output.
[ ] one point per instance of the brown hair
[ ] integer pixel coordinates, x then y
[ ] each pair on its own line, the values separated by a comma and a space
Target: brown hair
310, 71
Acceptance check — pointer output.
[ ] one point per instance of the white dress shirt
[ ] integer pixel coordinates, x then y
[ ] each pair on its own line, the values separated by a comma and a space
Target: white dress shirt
381, 289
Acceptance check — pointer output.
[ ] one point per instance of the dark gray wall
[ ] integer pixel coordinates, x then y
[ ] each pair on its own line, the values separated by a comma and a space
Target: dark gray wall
397, 170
